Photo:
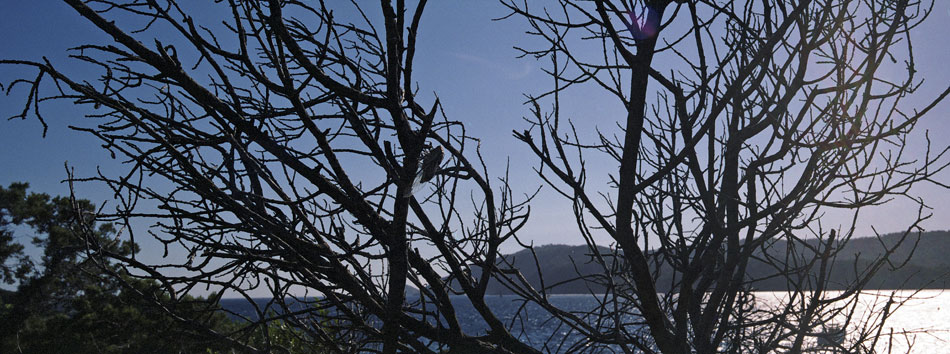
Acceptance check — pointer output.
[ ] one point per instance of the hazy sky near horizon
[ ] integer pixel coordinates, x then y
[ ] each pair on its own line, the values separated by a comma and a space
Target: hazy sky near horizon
464, 56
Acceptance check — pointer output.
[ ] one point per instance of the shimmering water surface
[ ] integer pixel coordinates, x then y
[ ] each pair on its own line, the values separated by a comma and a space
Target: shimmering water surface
920, 325
923, 321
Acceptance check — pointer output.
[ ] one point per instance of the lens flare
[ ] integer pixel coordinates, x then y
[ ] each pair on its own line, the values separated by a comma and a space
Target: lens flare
645, 28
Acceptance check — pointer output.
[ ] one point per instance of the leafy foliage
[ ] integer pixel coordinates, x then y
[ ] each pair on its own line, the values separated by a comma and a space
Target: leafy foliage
67, 303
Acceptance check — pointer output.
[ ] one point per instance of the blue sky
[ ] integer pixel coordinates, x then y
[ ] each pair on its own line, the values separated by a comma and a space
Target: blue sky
464, 56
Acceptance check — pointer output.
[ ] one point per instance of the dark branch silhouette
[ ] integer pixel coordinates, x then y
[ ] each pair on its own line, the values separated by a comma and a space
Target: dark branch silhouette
276, 145
281, 146
744, 123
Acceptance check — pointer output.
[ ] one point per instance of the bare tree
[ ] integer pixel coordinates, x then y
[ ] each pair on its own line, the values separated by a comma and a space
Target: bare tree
276, 144
744, 123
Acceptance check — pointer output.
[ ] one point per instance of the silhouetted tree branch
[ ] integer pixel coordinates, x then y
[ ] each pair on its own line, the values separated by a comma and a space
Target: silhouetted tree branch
276, 147
744, 122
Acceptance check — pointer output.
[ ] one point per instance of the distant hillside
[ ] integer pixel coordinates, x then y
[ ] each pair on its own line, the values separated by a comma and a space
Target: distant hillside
560, 264
929, 267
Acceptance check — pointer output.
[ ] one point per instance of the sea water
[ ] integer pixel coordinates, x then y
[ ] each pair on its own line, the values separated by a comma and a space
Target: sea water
922, 322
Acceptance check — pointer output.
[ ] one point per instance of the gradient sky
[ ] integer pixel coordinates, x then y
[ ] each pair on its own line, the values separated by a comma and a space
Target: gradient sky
463, 56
